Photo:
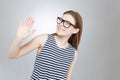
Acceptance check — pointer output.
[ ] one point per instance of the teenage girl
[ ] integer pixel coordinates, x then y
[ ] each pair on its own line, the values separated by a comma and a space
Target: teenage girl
56, 52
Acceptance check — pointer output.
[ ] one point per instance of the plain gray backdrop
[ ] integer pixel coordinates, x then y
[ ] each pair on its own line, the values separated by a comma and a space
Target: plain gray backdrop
99, 50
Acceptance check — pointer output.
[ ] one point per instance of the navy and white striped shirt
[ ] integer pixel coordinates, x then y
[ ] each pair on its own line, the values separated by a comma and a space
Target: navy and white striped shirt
53, 62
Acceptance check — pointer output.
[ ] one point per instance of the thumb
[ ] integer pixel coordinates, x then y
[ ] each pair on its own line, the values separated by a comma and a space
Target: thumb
31, 32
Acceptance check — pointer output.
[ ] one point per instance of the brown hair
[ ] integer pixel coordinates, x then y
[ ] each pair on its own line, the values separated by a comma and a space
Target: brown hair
74, 39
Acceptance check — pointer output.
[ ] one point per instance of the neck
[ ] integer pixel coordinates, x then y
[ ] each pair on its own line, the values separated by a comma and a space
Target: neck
62, 40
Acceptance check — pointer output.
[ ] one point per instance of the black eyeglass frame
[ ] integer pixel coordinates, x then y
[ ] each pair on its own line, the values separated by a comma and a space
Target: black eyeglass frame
62, 20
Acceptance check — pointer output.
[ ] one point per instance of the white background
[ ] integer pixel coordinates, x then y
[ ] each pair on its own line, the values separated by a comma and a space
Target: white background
99, 50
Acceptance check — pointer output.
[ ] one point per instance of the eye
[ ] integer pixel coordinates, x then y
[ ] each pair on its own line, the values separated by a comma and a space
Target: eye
67, 23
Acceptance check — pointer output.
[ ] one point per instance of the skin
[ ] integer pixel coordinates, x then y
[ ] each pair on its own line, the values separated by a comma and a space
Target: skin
65, 33
24, 30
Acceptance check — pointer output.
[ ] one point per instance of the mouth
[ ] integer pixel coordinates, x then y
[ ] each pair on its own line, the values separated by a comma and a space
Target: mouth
60, 29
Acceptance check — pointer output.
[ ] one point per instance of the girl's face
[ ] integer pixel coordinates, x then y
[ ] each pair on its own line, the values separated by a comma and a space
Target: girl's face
65, 25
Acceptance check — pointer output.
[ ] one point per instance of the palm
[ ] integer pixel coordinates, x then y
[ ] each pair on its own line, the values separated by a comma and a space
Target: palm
25, 27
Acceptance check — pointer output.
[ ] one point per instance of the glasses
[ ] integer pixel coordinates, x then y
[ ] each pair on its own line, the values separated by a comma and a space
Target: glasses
66, 23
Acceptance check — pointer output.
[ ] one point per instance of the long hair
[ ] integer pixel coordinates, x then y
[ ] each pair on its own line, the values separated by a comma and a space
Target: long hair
74, 39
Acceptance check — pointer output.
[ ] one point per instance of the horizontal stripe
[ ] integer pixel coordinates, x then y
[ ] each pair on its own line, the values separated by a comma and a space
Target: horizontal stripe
52, 62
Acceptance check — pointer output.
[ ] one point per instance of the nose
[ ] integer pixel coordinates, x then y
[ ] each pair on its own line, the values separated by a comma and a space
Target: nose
61, 24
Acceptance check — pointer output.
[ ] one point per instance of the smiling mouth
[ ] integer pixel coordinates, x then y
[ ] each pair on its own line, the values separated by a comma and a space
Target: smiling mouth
60, 29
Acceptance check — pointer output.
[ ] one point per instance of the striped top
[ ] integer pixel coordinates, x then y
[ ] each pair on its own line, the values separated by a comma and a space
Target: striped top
53, 62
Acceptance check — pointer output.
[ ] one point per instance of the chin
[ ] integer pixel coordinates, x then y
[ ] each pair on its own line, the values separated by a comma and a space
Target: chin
60, 33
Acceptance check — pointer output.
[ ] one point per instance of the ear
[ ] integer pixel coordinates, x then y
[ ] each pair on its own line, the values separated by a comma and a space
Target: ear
76, 31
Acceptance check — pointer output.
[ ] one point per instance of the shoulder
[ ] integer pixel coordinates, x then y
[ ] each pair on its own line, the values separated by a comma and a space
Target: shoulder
43, 35
41, 38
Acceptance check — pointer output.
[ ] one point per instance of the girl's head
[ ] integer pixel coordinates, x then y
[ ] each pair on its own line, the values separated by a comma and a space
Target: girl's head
70, 24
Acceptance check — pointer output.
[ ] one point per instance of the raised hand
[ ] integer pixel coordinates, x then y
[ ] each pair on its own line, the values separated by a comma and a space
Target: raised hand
24, 28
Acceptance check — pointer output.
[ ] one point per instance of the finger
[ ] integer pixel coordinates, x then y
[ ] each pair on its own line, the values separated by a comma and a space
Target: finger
31, 32
31, 23
26, 21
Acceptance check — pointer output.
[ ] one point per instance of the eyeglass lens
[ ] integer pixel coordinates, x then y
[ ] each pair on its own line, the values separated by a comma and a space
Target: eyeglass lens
65, 23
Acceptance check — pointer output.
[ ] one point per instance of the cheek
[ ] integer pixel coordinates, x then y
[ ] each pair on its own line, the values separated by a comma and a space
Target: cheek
56, 26
68, 31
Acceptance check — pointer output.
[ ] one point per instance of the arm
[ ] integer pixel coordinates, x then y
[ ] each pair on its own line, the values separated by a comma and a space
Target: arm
23, 31
69, 73
16, 50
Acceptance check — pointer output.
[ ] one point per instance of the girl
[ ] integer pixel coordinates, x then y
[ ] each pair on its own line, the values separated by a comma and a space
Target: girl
56, 52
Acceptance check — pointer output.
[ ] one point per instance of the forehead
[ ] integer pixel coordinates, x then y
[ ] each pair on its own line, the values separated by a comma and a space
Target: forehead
69, 18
